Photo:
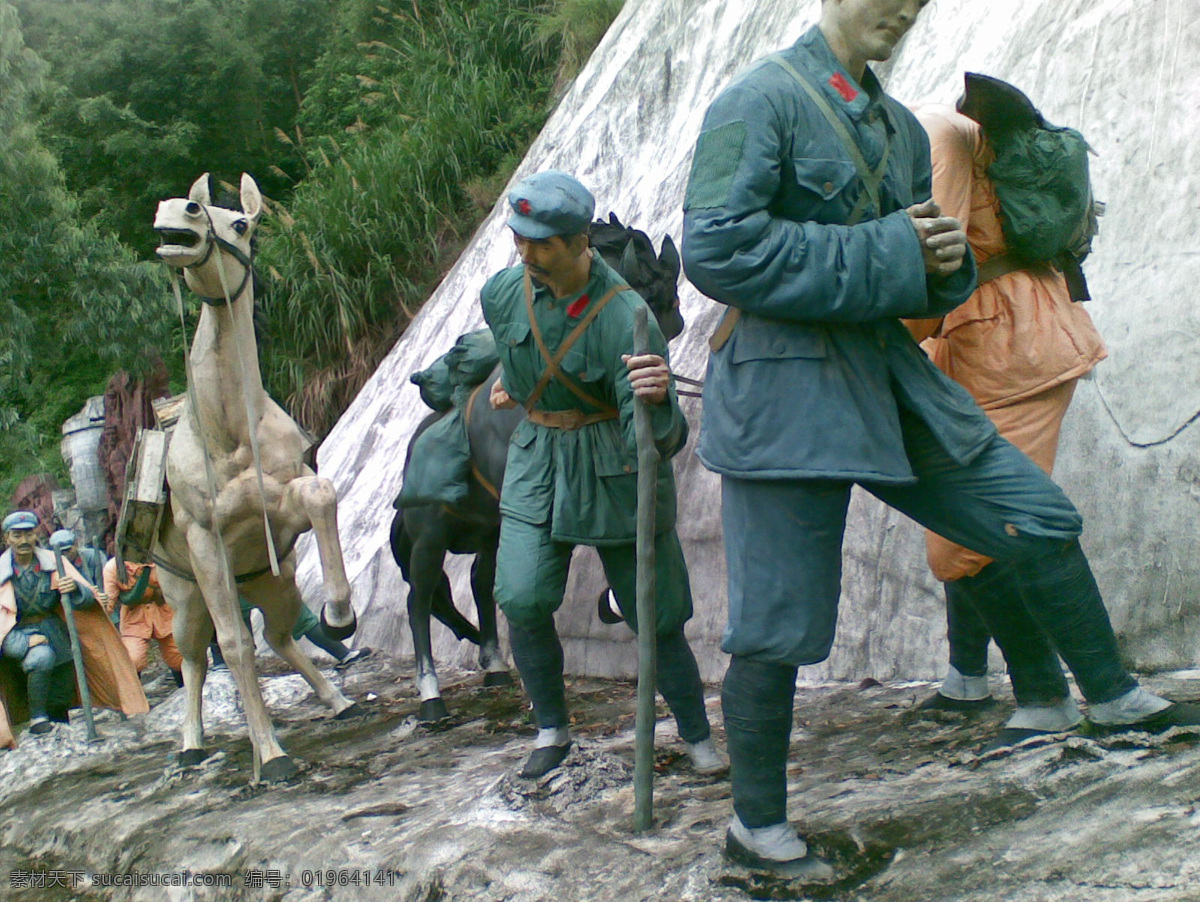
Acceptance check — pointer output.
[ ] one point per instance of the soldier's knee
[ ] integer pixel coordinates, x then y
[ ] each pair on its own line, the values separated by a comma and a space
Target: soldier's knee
39, 657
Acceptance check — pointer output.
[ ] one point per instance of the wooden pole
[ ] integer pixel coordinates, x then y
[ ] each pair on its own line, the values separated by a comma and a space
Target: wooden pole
647, 491
85, 694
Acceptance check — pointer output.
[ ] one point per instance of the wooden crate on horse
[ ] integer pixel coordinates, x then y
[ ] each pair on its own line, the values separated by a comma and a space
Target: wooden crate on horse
145, 496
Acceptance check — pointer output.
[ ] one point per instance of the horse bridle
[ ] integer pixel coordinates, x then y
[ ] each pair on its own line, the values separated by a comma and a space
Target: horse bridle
215, 240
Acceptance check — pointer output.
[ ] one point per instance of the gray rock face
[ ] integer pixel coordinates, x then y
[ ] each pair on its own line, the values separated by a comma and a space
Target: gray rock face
1117, 70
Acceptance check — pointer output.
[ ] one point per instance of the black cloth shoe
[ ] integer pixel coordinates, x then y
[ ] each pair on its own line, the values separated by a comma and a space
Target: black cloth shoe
40, 726
544, 760
812, 868
357, 654
939, 702
1179, 714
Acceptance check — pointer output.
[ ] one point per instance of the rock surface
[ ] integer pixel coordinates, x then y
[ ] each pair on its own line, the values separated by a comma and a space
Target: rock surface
1117, 69
904, 807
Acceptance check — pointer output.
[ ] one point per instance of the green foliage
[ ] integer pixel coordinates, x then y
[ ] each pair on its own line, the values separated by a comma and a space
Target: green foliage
150, 93
75, 303
574, 28
412, 110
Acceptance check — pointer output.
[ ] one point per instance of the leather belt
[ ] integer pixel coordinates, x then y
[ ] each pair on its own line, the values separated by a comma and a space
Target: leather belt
569, 420
1003, 264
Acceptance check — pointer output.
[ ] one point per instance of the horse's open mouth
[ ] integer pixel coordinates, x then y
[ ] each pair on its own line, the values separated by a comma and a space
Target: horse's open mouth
179, 247
185, 239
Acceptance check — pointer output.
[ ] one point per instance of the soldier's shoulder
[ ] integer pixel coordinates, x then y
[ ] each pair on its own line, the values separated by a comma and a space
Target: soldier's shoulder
503, 282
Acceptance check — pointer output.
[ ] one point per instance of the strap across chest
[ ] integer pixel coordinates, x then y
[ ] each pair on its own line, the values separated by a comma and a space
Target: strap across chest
872, 181
553, 361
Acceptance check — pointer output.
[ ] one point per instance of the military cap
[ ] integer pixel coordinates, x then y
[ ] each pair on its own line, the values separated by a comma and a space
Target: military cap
62, 538
550, 203
20, 520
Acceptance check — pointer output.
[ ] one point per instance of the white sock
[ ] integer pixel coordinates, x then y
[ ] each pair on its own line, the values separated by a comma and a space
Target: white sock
1051, 718
777, 842
552, 736
964, 688
1136, 704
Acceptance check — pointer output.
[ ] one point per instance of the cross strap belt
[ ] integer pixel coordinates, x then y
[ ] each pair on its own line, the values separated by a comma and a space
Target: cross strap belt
570, 420
553, 369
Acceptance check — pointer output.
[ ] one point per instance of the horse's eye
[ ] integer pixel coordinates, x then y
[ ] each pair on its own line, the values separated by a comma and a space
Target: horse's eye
240, 226
193, 208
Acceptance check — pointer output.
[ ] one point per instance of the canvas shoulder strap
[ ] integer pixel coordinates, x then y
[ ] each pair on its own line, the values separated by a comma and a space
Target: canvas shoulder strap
872, 180
553, 369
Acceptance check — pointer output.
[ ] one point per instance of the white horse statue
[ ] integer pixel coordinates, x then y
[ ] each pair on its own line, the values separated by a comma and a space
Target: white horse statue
240, 492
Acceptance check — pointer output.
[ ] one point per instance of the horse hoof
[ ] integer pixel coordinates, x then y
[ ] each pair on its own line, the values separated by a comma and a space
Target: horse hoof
339, 632
497, 678
355, 710
278, 769
433, 710
191, 757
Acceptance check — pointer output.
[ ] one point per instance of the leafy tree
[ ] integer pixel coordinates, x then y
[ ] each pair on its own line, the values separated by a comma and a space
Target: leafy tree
75, 303
149, 93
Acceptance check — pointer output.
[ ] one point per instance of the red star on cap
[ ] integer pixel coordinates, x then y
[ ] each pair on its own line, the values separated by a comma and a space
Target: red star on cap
523, 207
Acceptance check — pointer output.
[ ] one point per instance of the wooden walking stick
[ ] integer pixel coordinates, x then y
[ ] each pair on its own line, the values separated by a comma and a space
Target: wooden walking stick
647, 490
85, 694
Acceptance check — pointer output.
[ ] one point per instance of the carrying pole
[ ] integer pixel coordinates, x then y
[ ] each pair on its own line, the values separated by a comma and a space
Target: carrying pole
647, 490
85, 694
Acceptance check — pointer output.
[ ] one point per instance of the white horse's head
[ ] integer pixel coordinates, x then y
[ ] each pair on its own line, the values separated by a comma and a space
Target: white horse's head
191, 229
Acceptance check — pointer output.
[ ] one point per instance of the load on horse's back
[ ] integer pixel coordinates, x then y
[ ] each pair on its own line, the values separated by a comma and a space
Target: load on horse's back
455, 467
240, 492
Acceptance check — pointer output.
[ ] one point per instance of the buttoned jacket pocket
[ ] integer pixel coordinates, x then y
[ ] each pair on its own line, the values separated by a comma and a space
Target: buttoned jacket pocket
762, 339
511, 334
824, 178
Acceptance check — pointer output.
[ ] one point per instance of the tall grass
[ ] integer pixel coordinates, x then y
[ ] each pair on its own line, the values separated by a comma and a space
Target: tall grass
442, 96
574, 27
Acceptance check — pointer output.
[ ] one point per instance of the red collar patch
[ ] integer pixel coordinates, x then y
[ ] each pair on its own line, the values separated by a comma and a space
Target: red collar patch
843, 87
577, 307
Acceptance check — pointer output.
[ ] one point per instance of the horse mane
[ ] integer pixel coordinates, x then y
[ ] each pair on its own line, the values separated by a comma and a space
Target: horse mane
631, 253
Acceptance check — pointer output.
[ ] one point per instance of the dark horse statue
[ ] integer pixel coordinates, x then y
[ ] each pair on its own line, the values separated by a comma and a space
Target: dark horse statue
422, 535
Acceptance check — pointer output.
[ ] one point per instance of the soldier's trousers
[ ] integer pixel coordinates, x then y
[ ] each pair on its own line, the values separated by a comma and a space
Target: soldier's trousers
531, 578
783, 548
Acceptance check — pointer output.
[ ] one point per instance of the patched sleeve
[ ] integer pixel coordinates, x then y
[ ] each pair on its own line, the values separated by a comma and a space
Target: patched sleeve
738, 250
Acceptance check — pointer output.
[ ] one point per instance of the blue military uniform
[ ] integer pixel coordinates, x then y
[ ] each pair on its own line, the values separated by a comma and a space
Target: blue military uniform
820, 387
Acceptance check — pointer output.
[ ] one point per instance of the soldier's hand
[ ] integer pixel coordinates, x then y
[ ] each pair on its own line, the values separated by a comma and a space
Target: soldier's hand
499, 398
943, 241
102, 597
649, 375
66, 585
37, 639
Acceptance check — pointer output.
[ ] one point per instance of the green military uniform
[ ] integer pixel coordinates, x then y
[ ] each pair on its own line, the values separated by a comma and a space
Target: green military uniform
571, 476
564, 487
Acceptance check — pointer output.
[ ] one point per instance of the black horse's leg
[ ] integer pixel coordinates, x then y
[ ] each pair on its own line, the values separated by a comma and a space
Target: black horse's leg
483, 578
425, 572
